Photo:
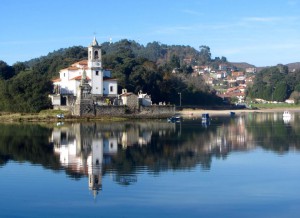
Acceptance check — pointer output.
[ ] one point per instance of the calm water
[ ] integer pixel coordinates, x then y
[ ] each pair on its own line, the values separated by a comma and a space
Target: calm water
246, 166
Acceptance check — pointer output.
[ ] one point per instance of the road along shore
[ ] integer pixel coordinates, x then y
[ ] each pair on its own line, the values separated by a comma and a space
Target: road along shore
198, 112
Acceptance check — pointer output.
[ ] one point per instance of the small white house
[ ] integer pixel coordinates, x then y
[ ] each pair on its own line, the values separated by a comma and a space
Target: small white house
144, 99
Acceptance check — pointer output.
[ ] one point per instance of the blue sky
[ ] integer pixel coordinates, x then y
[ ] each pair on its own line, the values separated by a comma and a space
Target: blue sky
260, 32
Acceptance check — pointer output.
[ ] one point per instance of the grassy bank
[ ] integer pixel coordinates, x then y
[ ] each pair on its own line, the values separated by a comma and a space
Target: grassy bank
50, 116
275, 106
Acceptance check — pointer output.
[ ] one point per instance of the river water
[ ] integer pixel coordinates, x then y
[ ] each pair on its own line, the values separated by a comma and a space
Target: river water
242, 166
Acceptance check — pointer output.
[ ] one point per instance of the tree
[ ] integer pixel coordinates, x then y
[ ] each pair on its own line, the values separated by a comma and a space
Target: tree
19, 67
6, 71
204, 55
175, 62
280, 92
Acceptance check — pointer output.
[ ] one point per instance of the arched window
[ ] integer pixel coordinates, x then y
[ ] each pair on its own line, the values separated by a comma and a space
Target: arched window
96, 55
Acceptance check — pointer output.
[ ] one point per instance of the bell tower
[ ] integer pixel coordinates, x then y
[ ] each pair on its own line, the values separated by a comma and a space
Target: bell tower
94, 54
95, 66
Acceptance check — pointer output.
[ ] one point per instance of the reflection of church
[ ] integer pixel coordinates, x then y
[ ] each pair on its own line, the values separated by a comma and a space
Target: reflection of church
86, 148
83, 152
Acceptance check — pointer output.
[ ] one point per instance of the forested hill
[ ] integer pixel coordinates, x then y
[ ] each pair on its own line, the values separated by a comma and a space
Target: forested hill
25, 86
155, 52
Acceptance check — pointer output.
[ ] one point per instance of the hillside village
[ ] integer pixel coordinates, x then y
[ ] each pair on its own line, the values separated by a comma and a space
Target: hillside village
229, 82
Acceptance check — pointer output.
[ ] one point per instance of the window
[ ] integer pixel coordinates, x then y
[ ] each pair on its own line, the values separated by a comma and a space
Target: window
97, 73
111, 89
64, 74
96, 55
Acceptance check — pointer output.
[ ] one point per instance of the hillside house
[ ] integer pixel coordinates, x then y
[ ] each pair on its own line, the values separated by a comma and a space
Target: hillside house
221, 74
250, 70
237, 73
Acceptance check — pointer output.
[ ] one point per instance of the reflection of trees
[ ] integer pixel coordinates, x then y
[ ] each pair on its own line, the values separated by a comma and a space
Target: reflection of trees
271, 133
195, 145
154, 145
27, 142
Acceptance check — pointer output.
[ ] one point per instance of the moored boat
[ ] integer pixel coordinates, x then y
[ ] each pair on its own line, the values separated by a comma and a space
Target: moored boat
174, 119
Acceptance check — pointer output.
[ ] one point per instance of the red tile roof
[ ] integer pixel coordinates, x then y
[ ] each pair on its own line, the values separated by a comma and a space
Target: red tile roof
83, 62
56, 80
79, 78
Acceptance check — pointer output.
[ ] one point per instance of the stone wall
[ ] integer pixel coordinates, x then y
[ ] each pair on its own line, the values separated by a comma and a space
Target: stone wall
154, 111
109, 110
158, 110
63, 108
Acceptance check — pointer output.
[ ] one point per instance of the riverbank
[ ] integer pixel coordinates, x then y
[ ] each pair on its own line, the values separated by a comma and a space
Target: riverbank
50, 115
198, 112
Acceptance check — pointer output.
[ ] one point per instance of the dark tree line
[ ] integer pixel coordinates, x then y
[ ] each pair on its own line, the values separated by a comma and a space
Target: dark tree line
276, 84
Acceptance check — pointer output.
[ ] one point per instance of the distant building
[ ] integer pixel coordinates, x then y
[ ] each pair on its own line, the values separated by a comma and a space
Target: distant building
223, 67
221, 75
237, 73
251, 70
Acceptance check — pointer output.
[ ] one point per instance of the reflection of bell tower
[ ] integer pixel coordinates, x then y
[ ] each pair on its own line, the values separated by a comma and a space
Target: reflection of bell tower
95, 166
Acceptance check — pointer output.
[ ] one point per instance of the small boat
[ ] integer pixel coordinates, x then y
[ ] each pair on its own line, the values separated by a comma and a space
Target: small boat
60, 116
174, 119
205, 118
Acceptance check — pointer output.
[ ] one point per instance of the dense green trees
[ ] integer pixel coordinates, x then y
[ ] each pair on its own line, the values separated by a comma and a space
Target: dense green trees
149, 69
26, 92
275, 84
6, 71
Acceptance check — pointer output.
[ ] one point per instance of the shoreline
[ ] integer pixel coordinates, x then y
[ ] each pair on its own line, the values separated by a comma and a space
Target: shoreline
198, 112
35, 118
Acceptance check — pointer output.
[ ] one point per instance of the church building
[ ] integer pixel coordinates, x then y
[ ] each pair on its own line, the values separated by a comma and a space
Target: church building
67, 85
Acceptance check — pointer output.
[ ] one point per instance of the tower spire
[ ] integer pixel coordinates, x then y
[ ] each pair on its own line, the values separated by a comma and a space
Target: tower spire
95, 43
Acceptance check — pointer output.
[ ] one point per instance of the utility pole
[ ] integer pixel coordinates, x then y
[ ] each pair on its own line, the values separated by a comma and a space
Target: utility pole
179, 93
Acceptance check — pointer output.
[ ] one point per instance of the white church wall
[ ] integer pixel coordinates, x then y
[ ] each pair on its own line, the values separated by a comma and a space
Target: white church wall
110, 87
97, 81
